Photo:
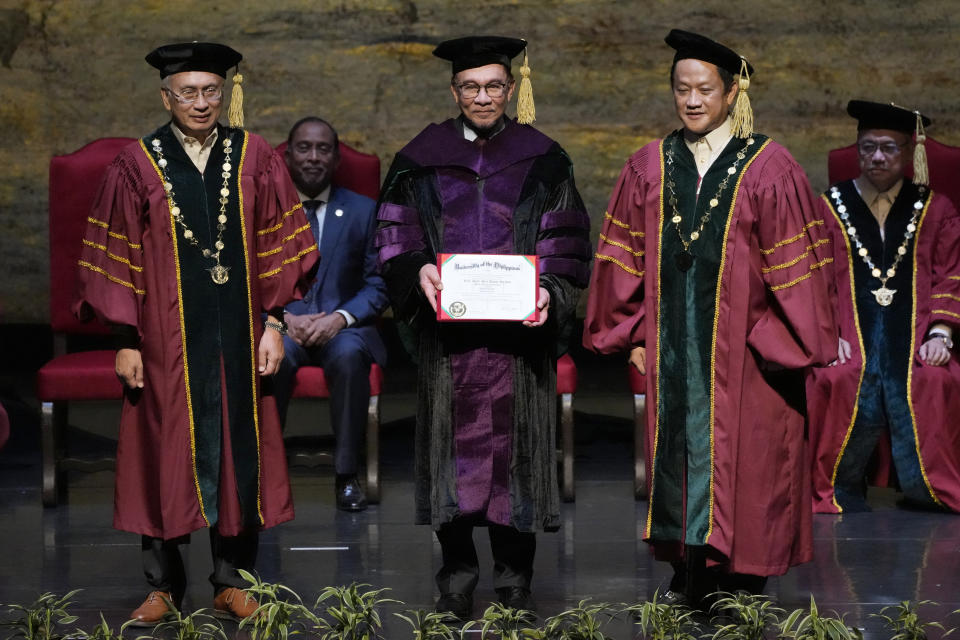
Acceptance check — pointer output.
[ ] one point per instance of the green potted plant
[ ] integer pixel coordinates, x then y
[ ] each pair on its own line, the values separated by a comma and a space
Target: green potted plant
198, 625
102, 631
281, 612
41, 619
905, 622
431, 625
744, 616
584, 622
350, 612
506, 623
810, 624
662, 621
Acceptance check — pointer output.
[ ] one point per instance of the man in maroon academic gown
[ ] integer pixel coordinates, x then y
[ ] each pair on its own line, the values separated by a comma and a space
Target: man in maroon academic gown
897, 250
196, 232
485, 450
710, 272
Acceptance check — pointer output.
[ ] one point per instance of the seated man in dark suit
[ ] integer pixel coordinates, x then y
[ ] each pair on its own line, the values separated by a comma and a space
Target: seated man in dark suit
333, 326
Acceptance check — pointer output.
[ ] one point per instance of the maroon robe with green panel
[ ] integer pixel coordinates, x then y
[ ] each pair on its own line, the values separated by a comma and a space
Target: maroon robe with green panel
867, 394
199, 445
485, 443
726, 341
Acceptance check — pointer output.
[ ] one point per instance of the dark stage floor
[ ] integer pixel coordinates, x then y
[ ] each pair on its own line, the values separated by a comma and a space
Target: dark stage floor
863, 561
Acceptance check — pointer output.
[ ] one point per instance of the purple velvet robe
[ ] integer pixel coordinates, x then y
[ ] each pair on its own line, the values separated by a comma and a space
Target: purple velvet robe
487, 414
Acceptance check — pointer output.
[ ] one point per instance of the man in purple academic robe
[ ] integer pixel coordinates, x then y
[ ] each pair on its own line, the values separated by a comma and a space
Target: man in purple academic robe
485, 443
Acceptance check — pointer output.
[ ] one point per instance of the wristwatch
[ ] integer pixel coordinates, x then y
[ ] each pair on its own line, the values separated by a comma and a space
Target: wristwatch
280, 327
947, 342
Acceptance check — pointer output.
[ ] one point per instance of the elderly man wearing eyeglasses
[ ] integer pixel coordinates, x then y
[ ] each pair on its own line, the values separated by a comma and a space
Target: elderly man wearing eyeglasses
196, 234
482, 183
897, 247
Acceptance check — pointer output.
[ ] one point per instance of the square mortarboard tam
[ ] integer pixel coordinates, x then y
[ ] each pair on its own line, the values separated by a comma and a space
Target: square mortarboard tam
694, 45
193, 56
879, 115
478, 51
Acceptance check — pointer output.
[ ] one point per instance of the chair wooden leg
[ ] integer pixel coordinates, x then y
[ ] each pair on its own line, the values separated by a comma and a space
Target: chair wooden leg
373, 450
568, 492
49, 446
639, 446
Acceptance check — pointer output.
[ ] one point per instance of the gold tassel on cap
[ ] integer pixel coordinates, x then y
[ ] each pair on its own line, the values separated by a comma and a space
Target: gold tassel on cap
235, 112
921, 172
526, 111
742, 110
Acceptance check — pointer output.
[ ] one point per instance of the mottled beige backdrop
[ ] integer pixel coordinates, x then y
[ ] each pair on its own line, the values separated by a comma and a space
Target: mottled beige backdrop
73, 70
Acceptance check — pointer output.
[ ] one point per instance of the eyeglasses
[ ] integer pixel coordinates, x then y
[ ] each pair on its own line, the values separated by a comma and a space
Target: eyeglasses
470, 90
889, 149
191, 95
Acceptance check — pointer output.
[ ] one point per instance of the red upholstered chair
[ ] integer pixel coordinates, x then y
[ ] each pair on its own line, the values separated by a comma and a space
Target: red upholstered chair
566, 387
944, 163
359, 172
83, 375
638, 386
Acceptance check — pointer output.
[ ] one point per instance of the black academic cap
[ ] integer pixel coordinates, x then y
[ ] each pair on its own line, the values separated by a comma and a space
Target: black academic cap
879, 115
193, 56
479, 51
693, 45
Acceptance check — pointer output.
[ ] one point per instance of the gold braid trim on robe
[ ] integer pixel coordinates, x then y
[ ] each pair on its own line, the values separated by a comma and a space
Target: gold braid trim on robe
112, 256
792, 239
813, 268
111, 278
279, 225
183, 337
289, 260
913, 350
806, 254
623, 225
636, 252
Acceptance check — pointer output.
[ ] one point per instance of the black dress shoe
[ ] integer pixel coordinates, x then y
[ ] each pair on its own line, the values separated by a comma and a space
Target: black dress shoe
672, 597
517, 598
457, 604
350, 495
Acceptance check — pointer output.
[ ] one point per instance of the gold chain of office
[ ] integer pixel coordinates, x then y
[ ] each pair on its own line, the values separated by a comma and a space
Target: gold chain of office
684, 259
218, 273
883, 295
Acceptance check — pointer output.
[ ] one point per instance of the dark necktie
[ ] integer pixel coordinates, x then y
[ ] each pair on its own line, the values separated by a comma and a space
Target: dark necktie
310, 208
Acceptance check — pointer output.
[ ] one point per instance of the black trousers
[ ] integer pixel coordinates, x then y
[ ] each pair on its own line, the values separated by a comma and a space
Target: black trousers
698, 582
513, 553
346, 362
165, 571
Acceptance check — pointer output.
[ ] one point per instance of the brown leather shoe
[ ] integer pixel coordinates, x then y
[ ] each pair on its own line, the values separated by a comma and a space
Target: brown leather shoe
234, 604
153, 610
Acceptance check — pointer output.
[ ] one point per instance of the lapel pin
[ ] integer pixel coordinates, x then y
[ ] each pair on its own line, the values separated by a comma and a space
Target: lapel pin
338, 212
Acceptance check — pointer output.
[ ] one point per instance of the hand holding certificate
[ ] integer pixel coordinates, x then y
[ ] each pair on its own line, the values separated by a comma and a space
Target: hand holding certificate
488, 287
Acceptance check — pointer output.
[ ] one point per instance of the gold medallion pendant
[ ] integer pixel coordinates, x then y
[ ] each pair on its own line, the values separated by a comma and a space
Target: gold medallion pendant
883, 295
220, 274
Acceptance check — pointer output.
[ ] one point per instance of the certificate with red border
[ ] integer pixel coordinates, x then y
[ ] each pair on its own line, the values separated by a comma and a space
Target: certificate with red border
488, 287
